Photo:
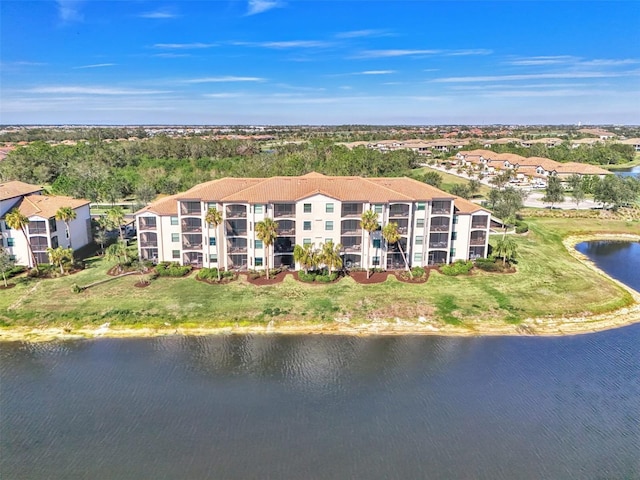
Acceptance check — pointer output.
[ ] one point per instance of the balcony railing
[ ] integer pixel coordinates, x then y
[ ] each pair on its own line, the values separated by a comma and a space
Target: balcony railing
398, 213
153, 244
478, 224
352, 248
439, 228
440, 210
285, 232
237, 213
190, 208
39, 247
438, 244
237, 249
191, 228
191, 246
284, 212
147, 225
237, 232
37, 230
351, 233
478, 241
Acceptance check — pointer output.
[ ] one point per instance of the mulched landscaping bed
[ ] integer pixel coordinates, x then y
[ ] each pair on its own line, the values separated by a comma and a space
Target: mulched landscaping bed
402, 276
223, 280
296, 276
273, 278
376, 277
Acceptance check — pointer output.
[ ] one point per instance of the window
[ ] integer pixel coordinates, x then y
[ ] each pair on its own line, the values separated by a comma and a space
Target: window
327, 240
175, 237
455, 219
328, 208
328, 225
376, 243
174, 220
258, 261
10, 242
53, 225
258, 244
306, 241
307, 226
453, 252
421, 206
212, 241
175, 253
377, 208
420, 223
419, 240
417, 257
213, 258
258, 209
454, 235
375, 260
12, 258
307, 208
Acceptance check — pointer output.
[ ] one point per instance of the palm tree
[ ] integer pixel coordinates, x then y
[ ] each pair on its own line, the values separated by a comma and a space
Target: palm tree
7, 262
17, 221
66, 214
267, 231
115, 215
330, 255
369, 222
392, 235
118, 252
214, 219
507, 248
58, 256
306, 256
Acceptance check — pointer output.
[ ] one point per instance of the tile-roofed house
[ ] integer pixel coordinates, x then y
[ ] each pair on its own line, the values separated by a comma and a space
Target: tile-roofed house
43, 230
312, 208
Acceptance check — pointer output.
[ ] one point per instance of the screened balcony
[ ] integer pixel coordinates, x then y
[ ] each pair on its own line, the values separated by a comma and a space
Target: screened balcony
441, 207
192, 258
476, 252
148, 240
351, 227
237, 245
39, 244
479, 221
37, 227
236, 228
147, 223
478, 238
351, 209
286, 228
191, 241
190, 208
284, 210
437, 258
191, 225
398, 211
236, 211
439, 224
438, 240
351, 244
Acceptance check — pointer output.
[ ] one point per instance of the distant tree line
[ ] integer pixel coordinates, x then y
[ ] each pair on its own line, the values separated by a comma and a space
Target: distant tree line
109, 171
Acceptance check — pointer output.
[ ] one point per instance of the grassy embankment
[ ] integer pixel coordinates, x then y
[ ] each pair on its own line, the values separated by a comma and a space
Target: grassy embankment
549, 283
449, 179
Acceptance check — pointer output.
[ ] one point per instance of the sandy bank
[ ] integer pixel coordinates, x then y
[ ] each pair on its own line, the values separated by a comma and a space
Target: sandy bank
544, 326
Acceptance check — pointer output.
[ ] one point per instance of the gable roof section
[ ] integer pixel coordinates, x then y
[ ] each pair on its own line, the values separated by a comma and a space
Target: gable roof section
45, 206
466, 207
16, 188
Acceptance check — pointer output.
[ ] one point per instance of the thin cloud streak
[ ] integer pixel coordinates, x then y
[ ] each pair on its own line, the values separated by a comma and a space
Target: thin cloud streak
260, 6
224, 79
97, 65
69, 10
77, 90
184, 46
363, 34
504, 78
158, 15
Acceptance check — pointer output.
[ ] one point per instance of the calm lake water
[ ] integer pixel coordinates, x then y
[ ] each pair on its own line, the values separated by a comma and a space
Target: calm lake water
628, 172
620, 259
314, 407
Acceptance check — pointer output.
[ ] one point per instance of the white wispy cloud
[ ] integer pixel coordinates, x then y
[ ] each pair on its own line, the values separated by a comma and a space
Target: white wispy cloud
568, 92
394, 53
260, 6
184, 46
572, 61
69, 10
609, 62
96, 65
376, 72
224, 79
159, 15
294, 44
473, 51
363, 33
542, 60
96, 90
505, 78
223, 95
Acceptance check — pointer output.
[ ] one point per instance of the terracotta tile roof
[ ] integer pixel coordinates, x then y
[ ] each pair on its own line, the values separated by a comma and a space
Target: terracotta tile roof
630, 141
15, 188
465, 206
292, 189
545, 163
581, 168
45, 206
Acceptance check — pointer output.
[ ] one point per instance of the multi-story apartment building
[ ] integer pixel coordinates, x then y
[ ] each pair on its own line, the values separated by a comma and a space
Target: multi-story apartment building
43, 230
436, 227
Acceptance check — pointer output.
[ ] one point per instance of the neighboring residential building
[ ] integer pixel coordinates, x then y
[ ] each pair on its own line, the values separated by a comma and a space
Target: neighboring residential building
635, 142
436, 227
43, 230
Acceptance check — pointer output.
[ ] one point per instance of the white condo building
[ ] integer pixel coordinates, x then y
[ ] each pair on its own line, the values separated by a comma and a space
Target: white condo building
436, 226
43, 230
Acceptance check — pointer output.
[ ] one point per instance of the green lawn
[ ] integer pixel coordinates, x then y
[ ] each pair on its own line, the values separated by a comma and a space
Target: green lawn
449, 179
548, 282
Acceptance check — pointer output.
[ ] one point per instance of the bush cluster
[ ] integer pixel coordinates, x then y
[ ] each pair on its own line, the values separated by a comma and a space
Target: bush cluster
418, 272
321, 276
211, 274
172, 269
522, 227
460, 267
491, 265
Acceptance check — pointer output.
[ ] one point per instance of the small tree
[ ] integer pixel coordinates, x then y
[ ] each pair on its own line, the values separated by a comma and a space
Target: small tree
6, 264
17, 221
306, 256
392, 235
267, 231
507, 248
369, 222
58, 256
214, 219
432, 178
117, 252
473, 187
577, 191
66, 215
330, 255
115, 215
554, 192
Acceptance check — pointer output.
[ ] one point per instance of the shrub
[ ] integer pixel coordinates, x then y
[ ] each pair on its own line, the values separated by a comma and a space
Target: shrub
460, 267
321, 276
418, 272
522, 227
172, 269
490, 265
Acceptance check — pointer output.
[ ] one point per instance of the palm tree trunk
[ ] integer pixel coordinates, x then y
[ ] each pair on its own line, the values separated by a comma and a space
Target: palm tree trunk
218, 250
368, 254
33, 256
4, 277
68, 233
266, 260
406, 264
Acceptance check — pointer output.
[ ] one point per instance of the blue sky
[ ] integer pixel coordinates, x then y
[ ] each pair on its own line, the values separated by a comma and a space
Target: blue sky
329, 62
